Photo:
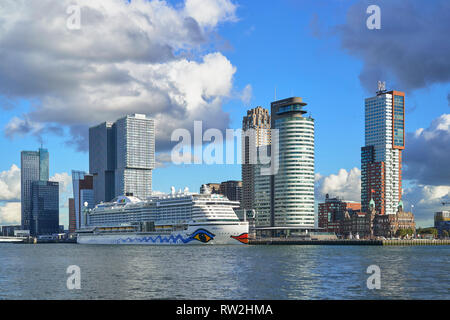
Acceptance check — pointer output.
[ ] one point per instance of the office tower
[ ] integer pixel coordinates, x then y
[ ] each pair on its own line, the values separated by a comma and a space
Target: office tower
82, 192
102, 161
256, 121
232, 189
72, 218
34, 166
122, 157
284, 201
45, 207
135, 149
332, 213
381, 157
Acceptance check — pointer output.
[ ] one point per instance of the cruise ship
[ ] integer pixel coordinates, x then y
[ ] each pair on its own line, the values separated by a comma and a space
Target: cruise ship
178, 218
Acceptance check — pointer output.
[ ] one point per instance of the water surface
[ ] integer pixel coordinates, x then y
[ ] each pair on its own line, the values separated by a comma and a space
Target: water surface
223, 272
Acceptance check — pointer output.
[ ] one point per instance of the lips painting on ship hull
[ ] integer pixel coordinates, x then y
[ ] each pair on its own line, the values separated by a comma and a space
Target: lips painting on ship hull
243, 237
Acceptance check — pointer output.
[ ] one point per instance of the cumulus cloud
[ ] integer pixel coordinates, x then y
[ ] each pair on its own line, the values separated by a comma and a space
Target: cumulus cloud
127, 57
411, 48
65, 187
345, 184
426, 201
427, 153
10, 213
10, 184
247, 94
210, 13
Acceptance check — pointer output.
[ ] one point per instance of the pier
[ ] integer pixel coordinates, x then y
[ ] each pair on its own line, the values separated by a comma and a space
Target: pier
349, 242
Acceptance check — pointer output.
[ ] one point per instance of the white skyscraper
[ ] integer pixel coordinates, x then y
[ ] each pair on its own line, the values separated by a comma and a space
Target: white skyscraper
284, 201
381, 157
135, 147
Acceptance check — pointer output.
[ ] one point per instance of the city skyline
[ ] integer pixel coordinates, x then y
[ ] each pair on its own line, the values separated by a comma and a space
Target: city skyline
253, 70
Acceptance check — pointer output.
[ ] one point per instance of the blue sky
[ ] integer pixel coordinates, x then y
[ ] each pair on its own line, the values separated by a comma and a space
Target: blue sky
297, 48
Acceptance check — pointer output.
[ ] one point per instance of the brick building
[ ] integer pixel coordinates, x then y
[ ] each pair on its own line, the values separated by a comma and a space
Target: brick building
332, 213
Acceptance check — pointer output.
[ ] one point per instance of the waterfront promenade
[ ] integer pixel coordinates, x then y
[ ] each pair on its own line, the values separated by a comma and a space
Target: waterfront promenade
352, 242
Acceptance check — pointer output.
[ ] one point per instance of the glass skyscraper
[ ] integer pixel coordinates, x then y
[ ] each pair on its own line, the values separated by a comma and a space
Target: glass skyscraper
381, 157
45, 208
122, 157
284, 201
34, 166
102, 161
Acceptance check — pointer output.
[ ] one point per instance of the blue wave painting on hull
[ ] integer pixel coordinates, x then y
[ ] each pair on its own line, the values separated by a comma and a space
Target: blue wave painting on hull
201, 235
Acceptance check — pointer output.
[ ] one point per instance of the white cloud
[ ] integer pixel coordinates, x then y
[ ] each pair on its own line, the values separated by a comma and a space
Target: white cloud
10, 213
427, 153
426, 200
346, 185
10, 184
210, 13
142, 56
65, 187
247, 94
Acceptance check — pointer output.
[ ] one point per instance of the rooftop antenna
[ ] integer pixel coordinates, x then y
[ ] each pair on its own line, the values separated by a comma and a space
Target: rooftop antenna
381, 87
275, 93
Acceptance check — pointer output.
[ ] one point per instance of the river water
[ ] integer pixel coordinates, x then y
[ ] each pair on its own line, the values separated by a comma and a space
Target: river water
223, 272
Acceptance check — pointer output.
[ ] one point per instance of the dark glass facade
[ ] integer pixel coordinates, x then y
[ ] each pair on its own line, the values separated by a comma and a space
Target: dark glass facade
399, 121
45, 208
34, 167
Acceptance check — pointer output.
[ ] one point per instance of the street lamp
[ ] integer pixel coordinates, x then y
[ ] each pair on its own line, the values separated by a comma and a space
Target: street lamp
85, 209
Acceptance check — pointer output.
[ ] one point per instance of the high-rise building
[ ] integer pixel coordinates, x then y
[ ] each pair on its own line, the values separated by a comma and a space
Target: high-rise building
232, 189
72, 218
34, 166
122, 157
257, 121
82, 193
45, 207
135, 150
102, 161
284, 201
381, 157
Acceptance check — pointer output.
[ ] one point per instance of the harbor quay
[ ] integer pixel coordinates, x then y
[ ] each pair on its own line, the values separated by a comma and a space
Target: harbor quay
349, 242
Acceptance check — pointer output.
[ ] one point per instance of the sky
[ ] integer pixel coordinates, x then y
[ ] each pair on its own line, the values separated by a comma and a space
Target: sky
210, 61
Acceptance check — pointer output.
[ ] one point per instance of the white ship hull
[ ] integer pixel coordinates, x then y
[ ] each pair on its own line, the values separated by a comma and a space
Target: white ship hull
208, 233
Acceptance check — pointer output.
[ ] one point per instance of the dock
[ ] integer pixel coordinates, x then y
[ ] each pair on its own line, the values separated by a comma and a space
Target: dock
349, 242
